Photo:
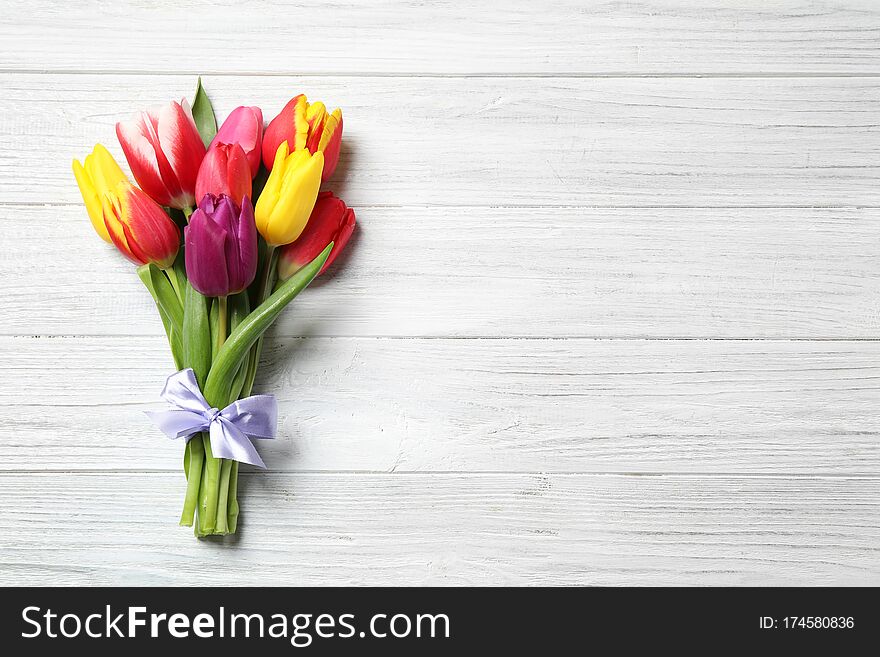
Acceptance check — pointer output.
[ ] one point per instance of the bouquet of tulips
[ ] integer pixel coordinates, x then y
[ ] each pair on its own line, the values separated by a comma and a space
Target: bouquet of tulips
227, 226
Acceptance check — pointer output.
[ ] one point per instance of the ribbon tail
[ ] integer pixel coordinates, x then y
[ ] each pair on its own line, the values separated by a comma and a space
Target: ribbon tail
178, 423
256, 416
229, 442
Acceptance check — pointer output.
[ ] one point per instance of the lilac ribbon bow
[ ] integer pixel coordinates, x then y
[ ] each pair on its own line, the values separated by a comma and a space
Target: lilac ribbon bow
231, 429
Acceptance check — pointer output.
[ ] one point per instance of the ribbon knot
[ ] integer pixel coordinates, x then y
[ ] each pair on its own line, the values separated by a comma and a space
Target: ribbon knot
231, 429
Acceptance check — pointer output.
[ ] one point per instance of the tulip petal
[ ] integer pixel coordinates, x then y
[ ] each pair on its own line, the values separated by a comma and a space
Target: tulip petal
342, 236
238, 174
279, 130
244, 126
102, 168
246, 251
301, 123
91, 200
139, 228
205, 255
221, 246
227, 216
330, 144
112, 212
316, 115
143, 157
182, 145
297, 197
150, 233
225, 170
331, 221
271, 191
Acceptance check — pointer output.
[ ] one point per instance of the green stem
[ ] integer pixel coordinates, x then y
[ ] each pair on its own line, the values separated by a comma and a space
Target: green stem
187, 213
232, 508
218, 507
221, 526
220, 338
219, 382
262, 295
222, 522
238, 312
197, 355
193, 461
210, 489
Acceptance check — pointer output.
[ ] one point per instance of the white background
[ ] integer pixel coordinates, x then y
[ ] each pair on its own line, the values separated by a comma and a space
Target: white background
610, 315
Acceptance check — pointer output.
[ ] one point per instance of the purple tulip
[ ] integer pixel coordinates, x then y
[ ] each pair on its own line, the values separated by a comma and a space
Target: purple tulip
221, 246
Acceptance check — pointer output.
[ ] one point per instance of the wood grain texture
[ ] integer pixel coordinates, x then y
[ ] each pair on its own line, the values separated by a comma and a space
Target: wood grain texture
471, 405
503, 141
483, 390
502, 272
448, 529
561, 37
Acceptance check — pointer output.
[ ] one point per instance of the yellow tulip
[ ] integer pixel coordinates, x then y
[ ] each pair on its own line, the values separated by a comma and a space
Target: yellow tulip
100, 175
287, 200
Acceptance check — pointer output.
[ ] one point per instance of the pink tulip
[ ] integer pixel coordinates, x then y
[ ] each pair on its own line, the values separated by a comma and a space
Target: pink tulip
164, 151
225, 170
244, 126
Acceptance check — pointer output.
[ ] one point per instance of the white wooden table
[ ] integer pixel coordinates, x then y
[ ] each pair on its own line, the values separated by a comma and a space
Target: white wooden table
610, 317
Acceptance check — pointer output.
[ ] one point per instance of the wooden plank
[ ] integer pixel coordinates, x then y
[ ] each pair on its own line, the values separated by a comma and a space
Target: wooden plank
470, 405
504, 272
392, 37
120, 529
503, 141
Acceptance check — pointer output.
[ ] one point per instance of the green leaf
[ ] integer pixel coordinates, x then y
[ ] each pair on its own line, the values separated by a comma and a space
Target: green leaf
180, 271
165, 296
196, 334
203, 114
173, 333
176, 341
219, 384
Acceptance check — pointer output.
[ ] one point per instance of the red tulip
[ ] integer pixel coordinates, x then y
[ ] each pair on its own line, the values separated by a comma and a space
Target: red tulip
139, 227
305, 126
331, 221
164, 151
225, 170
243, 126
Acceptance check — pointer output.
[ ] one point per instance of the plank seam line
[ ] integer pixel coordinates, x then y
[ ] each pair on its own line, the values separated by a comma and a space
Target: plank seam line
868, 476
599, 75
621, 338
517, 206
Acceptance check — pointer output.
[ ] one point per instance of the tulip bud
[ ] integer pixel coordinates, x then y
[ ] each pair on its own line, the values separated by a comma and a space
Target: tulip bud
331, 221
225, 170
243, 126
100, 175
164, 151
139, 227
289, 195
305, 127
221, 246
